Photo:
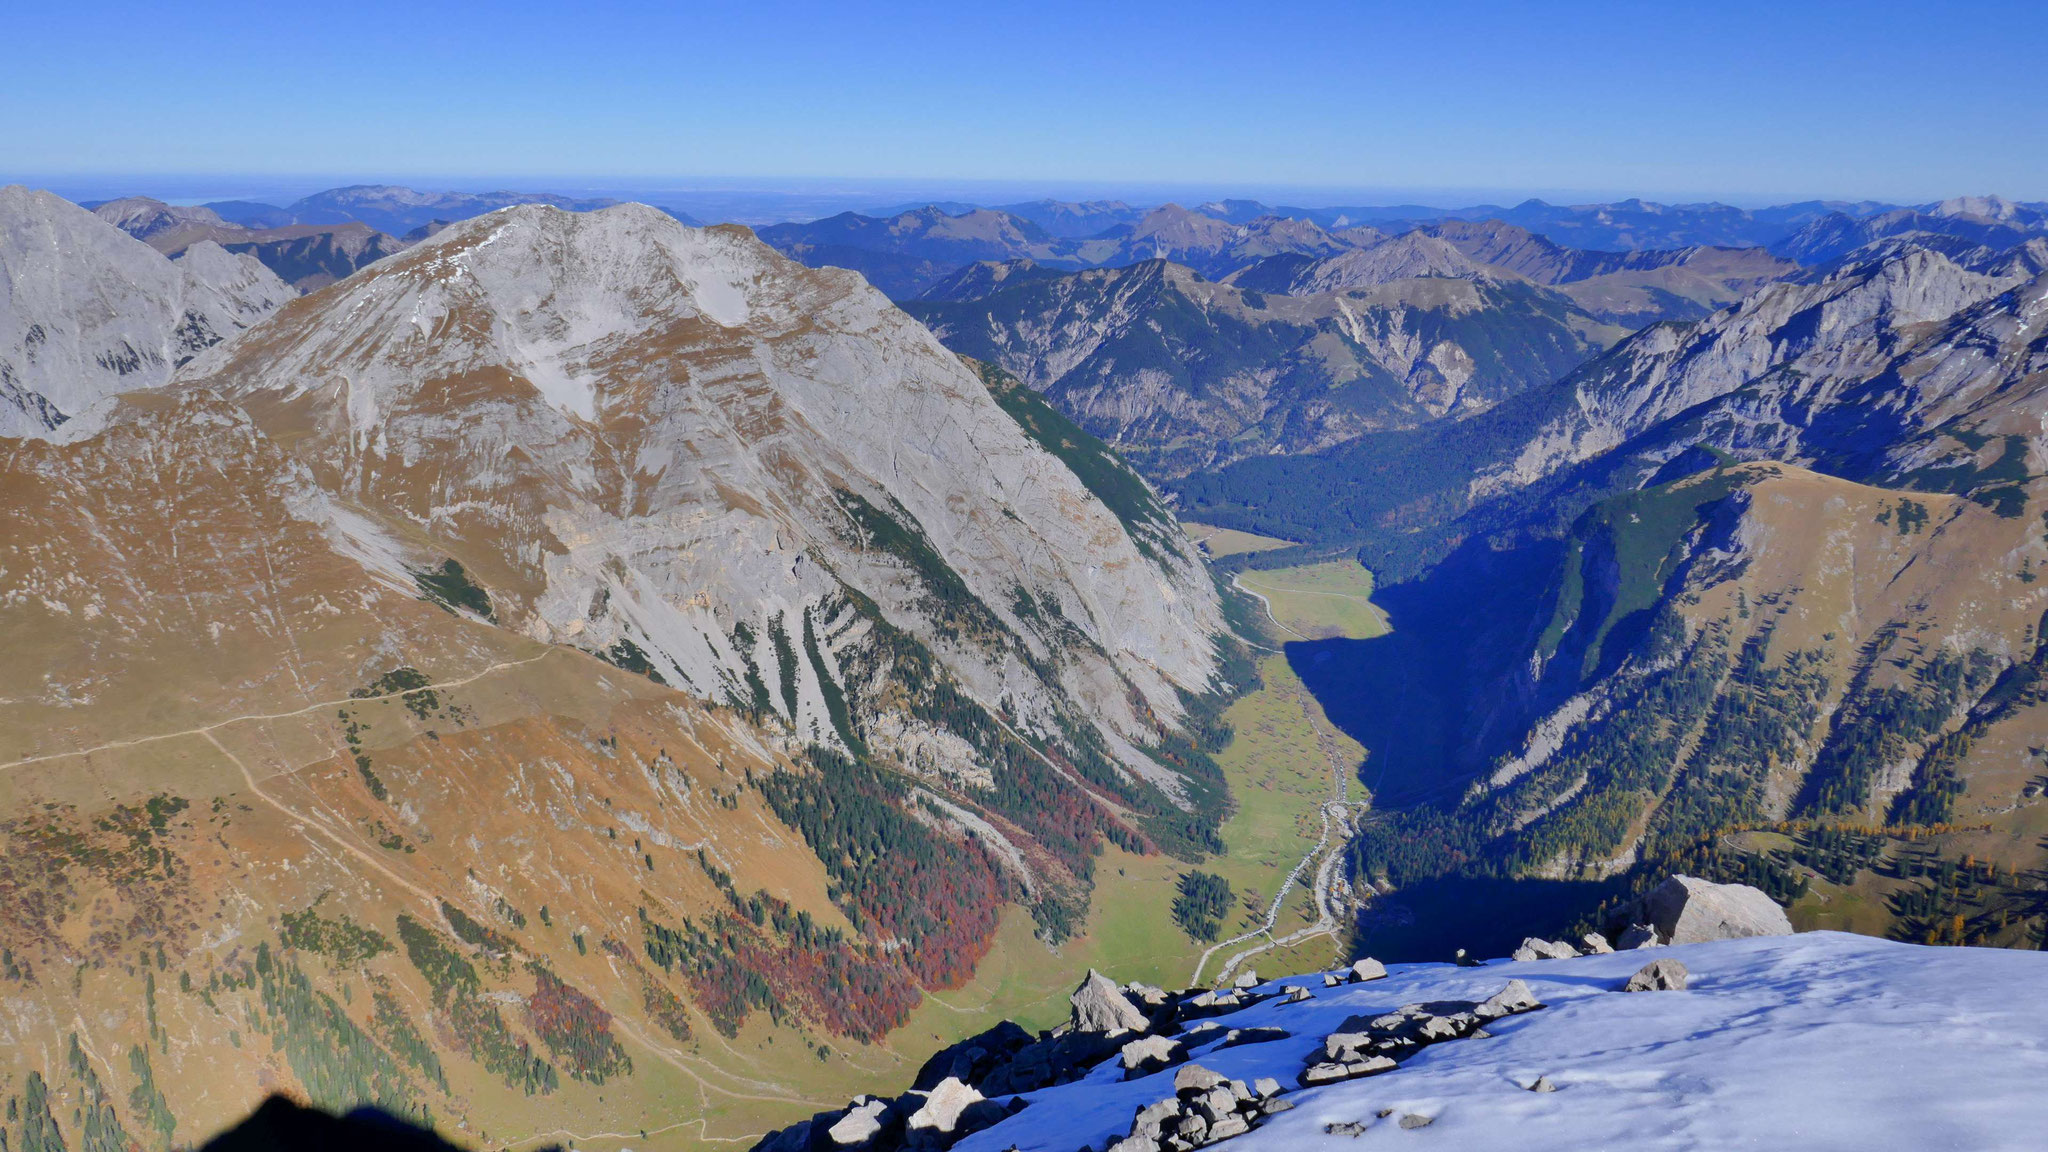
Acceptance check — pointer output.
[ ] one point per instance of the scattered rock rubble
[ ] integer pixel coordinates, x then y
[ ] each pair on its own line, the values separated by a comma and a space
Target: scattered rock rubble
1203, 1109
977, 1082
1367, 1046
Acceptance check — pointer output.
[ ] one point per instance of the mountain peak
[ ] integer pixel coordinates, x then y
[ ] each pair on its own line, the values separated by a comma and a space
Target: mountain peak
662, 428
87, 310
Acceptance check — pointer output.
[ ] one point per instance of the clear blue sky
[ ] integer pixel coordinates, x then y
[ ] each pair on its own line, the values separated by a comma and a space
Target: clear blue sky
1741, 101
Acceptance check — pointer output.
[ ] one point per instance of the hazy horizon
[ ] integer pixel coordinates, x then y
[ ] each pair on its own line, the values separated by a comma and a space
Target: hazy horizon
751, 199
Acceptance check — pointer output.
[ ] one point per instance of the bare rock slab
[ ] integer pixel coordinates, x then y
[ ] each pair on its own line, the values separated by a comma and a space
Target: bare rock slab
1688, 910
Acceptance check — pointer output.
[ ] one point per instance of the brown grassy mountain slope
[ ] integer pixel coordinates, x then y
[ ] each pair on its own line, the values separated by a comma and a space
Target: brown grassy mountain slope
275, 822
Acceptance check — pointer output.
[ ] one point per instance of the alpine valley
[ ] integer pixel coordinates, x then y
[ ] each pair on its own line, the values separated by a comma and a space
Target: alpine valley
564, 675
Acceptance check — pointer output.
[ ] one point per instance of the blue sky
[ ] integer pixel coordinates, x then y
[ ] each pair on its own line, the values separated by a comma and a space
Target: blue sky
1744, 102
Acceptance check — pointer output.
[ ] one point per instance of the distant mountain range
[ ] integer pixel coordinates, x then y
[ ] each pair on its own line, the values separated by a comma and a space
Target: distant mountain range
907, 252
323, 237
392, 209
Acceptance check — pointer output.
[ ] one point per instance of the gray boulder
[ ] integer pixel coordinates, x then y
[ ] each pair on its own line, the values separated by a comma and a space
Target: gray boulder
1227, 1127
1596, 944
943, 1105
1148, 1054
1638, 936
1329, 1072
1147, 996
1513, 997
861, 1124
1151, 1120
1238, 1036
1100, 1006
1536, 948
1688, 910
1366, 969
1666, 975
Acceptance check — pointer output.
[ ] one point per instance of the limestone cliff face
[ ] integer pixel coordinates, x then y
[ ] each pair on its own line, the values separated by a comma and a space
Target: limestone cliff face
87, 311
1856, 364
1184, 374
675, 446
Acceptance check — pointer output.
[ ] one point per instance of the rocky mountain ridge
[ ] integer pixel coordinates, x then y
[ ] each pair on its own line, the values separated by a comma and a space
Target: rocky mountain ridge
1852, 368
1185, 374
88, 311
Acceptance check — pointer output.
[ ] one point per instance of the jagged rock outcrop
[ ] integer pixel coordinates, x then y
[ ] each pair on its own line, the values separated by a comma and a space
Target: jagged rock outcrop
1100, 1006
87, 311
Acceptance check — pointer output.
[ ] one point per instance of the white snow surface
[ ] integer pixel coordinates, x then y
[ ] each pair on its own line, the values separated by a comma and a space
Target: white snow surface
1817, 1041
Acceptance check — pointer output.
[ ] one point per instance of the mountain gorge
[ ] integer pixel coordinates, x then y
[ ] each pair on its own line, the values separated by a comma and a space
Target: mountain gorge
1751, 593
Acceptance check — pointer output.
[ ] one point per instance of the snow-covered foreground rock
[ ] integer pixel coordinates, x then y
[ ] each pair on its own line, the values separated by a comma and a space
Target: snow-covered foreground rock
1817, 1041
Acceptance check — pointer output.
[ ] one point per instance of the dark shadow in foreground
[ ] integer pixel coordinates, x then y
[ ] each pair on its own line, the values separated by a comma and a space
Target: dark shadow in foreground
1443, 693
1487, 917
280, 1125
